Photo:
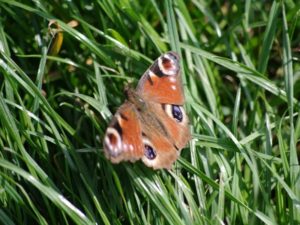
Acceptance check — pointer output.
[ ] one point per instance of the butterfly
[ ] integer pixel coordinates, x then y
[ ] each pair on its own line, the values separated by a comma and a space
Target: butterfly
152, 124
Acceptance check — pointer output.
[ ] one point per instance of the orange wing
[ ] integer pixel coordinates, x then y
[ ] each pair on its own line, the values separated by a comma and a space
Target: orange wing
175, 121
123, 140
152, 124
162, 82
165, 132
159, 151
126, 139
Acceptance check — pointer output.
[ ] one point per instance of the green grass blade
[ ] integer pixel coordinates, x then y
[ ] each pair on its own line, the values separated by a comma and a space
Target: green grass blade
59, 200
288, 70
269, 37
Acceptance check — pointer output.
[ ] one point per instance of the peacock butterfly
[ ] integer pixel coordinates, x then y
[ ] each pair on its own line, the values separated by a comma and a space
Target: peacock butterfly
151, 125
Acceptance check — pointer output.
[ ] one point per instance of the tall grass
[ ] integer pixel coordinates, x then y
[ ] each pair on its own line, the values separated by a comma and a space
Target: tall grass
63, 66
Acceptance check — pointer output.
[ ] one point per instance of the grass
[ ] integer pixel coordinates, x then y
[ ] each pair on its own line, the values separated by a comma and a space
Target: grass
61, 84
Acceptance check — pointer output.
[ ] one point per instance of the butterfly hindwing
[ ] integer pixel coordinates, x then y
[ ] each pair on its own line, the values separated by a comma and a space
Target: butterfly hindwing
159, 151
175, 121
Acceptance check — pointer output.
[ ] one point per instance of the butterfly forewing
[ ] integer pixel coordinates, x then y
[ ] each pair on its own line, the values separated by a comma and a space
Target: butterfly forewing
122, 140
162, 82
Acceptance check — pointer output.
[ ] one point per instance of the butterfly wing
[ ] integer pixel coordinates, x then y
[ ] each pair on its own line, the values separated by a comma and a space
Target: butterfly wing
134, 135
159, 152
175, 121
163, 134
152, 125
162, 81
122, 141
161, 88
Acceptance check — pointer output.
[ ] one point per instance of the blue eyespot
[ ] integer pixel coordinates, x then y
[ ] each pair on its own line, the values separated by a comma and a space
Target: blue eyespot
150, 152
177, 113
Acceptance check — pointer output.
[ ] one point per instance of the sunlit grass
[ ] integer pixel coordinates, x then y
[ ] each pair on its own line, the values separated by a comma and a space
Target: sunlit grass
240, 71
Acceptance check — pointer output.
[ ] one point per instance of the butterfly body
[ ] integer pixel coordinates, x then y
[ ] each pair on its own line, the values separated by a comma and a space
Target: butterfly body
151, 125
